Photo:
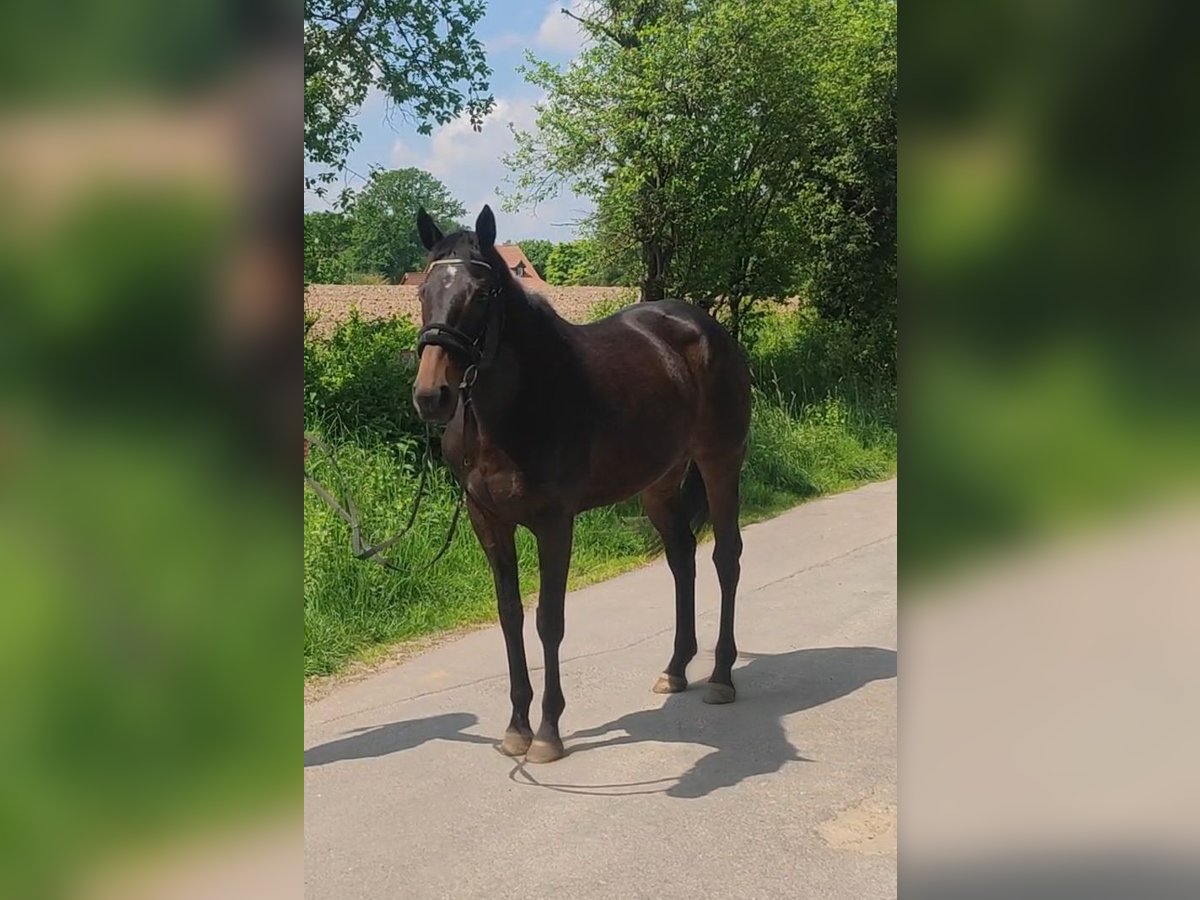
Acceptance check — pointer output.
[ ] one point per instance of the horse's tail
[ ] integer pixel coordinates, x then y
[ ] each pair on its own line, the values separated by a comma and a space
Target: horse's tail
694, 497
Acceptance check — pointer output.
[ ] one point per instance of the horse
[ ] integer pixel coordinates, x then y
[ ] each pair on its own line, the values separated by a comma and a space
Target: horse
545, 419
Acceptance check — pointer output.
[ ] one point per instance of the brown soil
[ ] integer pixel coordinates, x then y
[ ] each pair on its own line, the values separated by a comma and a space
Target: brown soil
332, 302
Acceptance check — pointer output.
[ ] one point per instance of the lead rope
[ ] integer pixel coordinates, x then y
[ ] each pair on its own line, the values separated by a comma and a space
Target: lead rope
349, 512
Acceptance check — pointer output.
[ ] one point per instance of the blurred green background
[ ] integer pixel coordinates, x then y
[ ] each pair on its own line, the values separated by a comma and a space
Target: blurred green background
1049, 375
149, 563
1049, 357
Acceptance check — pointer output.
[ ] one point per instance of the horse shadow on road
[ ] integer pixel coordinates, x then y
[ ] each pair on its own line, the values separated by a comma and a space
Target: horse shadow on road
384, 740
747, 737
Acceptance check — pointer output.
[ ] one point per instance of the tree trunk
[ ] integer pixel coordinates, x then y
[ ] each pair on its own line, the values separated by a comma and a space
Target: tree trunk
654, 280
735, 316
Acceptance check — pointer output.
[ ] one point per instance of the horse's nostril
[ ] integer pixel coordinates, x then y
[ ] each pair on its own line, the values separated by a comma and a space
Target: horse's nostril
432, 403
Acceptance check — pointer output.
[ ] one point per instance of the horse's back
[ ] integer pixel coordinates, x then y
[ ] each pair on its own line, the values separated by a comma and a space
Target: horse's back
694, 352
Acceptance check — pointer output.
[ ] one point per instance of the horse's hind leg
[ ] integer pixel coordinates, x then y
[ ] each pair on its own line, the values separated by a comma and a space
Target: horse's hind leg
721, 482
662, 502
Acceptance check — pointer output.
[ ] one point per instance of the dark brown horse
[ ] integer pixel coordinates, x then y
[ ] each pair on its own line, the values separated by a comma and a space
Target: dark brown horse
546, 419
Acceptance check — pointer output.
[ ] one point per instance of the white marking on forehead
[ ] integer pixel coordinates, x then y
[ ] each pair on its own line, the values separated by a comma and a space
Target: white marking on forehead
449, 272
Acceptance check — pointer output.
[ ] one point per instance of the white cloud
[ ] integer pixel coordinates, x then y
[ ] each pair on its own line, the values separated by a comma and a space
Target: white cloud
456, 145
471, 165
560, 32
402, 156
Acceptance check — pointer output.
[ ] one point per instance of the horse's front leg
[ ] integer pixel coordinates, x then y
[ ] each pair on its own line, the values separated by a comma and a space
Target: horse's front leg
554, 559
498, 540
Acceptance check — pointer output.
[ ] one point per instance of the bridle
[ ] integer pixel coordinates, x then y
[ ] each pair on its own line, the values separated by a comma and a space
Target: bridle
474, 352
471, 351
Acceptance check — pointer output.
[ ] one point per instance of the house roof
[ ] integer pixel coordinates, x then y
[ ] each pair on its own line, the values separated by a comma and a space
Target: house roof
512, 254
416, 279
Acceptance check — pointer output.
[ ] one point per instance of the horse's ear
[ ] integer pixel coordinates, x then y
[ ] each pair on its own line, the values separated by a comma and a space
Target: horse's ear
429, 232
485, 227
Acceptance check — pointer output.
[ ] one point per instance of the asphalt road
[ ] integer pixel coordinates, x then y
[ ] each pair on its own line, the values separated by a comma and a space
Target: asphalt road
790, 792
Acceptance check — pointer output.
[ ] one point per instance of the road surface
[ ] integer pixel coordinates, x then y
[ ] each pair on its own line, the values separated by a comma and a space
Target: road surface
790, 792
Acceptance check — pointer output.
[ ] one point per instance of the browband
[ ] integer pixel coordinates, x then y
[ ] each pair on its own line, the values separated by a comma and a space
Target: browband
458, 259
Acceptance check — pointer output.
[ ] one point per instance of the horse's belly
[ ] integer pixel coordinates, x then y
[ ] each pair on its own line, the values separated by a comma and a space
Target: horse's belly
617, 477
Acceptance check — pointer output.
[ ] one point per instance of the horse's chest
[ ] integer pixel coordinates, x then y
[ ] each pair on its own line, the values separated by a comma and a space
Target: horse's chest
510, 494
519, 471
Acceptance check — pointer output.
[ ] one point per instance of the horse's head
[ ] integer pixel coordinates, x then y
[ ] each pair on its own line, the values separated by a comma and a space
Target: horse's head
463, 279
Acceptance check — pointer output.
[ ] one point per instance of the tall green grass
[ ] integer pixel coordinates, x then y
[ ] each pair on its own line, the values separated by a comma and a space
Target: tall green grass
815, 430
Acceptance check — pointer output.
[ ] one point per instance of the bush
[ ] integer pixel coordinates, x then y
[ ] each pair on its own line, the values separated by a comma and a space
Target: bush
806, 358
358, 382
606, 306
366, 278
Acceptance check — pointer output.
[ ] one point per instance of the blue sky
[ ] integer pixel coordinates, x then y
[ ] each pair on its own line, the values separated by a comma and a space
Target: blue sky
469, 163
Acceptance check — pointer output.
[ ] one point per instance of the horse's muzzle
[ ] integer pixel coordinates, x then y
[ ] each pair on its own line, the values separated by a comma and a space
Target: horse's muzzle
434, 405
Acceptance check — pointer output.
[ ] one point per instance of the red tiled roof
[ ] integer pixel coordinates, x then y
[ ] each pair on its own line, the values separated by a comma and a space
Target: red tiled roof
512, 254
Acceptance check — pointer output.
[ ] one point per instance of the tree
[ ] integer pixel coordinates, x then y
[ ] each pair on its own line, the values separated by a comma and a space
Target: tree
383, 216
326, 247
422, 55
848, 204
695, 126
538, 252
569, 263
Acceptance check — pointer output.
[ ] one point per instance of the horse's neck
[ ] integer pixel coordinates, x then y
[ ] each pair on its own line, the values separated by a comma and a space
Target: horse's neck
533, 356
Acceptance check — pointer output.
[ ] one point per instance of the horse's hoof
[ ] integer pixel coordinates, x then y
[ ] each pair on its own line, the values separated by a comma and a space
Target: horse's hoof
544, 751
515, 743
670, 684
719, 693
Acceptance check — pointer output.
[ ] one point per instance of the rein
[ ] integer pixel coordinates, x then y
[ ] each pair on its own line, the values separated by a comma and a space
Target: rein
363, 549
476, 352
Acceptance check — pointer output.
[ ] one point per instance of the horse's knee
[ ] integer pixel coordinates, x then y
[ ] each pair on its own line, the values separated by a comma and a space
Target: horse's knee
550, 629
512, 615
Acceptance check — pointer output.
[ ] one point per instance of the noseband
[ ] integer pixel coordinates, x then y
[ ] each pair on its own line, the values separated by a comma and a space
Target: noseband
471, 351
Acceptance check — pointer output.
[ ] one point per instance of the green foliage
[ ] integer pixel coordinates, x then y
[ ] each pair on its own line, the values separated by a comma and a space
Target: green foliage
847, 209
813, 431
383, 216
578, 262
538, 252
365, 278
570, 263
609, 305
326, 246
146, 640
419, 55
802, 356
358, 382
